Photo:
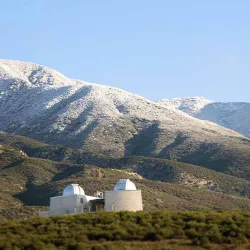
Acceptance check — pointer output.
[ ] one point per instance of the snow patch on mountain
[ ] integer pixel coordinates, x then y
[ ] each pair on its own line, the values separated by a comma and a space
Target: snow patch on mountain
44, 104
189, 105
233, 115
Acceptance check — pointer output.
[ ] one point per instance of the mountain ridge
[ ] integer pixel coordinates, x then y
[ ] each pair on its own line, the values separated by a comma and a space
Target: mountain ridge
232, 115
44, 105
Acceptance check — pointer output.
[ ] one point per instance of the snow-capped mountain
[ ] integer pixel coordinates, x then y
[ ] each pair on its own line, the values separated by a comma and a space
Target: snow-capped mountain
233, 115
189, 105
41, 103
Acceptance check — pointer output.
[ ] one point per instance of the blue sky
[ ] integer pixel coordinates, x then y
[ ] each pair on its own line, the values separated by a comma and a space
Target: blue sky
157, 49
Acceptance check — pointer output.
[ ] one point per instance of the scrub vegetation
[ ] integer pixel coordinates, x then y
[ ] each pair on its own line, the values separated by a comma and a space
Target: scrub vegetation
128, 230
31, 172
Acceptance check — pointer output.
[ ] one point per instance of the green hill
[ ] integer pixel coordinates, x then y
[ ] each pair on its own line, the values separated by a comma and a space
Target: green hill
34, 181
165, 184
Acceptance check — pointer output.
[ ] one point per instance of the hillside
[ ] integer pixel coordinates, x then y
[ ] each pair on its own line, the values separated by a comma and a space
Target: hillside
43, 104
150, 168
166, 184
232, 115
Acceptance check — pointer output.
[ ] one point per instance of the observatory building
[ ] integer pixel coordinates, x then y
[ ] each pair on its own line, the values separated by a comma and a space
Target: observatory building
125, 196
74, 201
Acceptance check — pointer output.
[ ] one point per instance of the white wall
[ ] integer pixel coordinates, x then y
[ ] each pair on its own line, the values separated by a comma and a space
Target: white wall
123, 200
68, 204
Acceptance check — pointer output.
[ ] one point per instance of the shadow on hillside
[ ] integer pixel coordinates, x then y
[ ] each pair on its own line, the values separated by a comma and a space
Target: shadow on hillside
167, 152
35, 195
14, 164
145, 142
210, 156
67, 172
39, 195
67, 137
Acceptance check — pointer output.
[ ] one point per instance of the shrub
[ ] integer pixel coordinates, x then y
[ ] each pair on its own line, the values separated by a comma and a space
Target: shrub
204, 241
76, 232
152, 236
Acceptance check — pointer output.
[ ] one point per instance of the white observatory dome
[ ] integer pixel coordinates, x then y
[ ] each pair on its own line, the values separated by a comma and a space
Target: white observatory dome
73, 189
124, 184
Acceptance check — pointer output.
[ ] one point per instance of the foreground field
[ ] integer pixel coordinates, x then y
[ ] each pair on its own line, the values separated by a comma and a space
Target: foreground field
127, 230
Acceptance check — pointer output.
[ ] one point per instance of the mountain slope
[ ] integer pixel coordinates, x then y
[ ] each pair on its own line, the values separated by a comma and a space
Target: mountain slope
43, 104
233, 115
32, 181
132, 167
189, 105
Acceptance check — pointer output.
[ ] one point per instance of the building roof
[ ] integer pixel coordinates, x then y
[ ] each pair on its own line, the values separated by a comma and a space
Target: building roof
73, 189
124, 184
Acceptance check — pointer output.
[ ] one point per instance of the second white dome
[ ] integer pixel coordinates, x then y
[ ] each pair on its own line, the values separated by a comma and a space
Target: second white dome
124, 184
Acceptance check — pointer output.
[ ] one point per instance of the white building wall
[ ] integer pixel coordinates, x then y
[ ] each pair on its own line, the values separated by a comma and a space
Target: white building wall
123, 200
68, 204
